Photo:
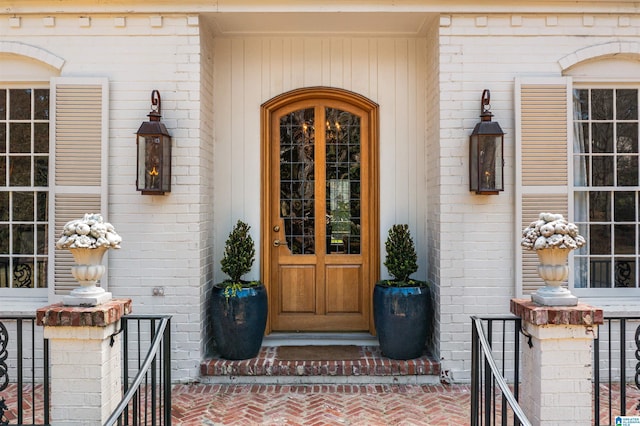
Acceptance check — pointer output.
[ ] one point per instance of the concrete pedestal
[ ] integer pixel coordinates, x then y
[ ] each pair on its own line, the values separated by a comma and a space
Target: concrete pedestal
85, 357
557, 370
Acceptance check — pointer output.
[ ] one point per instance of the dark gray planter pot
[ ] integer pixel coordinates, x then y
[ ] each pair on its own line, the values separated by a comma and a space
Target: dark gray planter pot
402, 319
239, 321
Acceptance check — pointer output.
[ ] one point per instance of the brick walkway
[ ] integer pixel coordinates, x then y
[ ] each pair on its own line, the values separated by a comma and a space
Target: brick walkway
316, 405
370, 405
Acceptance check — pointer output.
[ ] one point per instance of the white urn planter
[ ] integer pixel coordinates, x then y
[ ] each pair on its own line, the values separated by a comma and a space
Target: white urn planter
88, 270
553, 238
554, 270
88, 239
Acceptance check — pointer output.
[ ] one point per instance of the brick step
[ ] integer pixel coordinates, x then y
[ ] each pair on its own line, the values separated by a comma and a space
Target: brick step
371, 367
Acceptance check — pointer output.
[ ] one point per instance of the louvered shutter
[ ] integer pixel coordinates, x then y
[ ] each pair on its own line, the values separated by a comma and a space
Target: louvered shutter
542, 171
79, 132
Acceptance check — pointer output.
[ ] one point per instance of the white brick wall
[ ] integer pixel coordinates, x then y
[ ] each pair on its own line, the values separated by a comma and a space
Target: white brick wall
167, 239
556, 377
478, 235
85, 374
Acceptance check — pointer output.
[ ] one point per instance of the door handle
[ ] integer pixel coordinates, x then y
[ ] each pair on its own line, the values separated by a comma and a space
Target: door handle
276, 243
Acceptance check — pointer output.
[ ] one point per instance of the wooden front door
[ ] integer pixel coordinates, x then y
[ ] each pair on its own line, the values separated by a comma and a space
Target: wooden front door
320, 242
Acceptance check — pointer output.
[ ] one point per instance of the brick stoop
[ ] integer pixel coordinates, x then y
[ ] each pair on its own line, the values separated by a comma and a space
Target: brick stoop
372, 367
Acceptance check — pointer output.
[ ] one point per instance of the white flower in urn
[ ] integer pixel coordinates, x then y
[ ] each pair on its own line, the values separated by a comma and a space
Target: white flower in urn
551, 231
89, 232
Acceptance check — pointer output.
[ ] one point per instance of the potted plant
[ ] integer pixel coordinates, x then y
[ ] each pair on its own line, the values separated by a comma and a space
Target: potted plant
401, 305
238, 307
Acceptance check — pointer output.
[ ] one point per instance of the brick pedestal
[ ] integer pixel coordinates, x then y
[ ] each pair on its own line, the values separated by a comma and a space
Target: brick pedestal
557, 369
85, 356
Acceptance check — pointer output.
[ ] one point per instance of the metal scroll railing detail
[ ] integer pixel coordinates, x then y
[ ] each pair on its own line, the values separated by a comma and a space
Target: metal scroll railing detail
24, 371
4, 371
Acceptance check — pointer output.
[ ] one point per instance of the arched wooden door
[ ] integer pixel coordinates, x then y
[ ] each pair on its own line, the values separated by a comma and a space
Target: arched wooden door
320, 232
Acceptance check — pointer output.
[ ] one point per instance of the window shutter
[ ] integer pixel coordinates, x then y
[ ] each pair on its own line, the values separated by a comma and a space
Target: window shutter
542, 170
79, 117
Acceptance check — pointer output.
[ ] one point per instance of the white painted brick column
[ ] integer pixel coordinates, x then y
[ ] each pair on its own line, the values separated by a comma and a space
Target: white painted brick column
557, 369
85, 361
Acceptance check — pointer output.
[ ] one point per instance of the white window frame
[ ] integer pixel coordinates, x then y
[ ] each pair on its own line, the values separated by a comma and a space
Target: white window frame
17, 297
599, 295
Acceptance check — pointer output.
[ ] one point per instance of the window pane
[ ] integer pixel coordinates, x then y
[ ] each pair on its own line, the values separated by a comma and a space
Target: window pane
19, 171
3, 138
3, 170
23, 273
41, 239
600, 239
23, 239
602, 138
625, 273
602, 171
42, 273
581, 104
581, 269
580, 170
625, 239
4, 239
581, 206
4, 206
42, 207
624, 206
3, 104
41, 104
599, 206
627, 170
23, 206
20, 104
627, 104
19, 137
41, 138
600, 273
627, 137
602, 104
42, 171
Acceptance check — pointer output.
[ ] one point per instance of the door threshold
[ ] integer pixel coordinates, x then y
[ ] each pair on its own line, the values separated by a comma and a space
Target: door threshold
311, 339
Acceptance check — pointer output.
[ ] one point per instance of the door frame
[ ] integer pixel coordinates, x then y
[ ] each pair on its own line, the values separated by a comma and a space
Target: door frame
268, 192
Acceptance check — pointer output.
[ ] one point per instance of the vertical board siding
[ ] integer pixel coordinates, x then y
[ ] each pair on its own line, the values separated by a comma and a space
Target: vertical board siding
249, 71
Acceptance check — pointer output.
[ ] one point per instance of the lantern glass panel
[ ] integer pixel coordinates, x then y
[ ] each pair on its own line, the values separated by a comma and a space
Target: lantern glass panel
166, 163
150, 159
473, 159
490, 162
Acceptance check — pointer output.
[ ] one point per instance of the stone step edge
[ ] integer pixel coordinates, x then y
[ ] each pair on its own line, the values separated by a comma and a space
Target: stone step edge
363, 367
322, 380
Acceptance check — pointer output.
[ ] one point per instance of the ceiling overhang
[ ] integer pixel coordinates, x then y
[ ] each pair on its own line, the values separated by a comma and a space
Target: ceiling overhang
318, 23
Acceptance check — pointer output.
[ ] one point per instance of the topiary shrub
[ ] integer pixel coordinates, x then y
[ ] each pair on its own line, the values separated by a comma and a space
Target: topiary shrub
401, 260
239, 255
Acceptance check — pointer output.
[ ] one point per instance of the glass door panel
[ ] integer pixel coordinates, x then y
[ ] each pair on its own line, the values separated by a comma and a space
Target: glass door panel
342, 145
297, 181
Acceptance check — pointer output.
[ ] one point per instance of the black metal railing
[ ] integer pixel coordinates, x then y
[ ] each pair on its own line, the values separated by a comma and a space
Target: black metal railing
495, 371
616, 369
146, 382
24, 371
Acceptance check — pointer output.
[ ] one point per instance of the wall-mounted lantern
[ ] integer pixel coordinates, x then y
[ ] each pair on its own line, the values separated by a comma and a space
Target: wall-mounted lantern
486, 165
154, 152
